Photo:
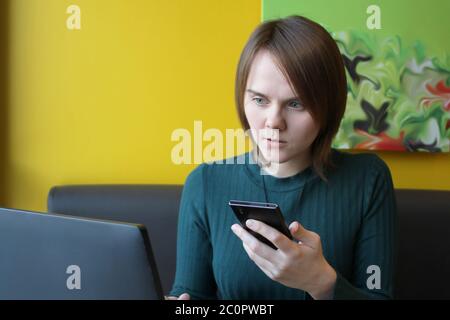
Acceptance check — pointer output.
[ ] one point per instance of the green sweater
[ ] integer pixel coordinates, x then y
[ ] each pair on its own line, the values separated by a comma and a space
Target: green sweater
354, 213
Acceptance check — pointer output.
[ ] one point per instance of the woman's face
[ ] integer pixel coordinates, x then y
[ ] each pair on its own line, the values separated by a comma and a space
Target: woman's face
280, 124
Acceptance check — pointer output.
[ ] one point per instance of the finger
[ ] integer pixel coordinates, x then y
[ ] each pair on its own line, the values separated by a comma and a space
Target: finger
257, 258
273, 235
263, 264
257, 246
184, 296
304, 236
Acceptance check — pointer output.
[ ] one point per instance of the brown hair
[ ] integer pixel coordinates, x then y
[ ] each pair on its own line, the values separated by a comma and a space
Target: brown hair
310, 59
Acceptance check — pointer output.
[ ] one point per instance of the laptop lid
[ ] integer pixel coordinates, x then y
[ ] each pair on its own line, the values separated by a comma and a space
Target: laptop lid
51, 256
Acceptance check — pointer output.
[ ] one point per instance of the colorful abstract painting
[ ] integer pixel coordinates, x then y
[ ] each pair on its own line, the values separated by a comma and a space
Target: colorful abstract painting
397, 61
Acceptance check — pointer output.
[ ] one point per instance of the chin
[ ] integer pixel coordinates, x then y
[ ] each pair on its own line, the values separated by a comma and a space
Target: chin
276, 156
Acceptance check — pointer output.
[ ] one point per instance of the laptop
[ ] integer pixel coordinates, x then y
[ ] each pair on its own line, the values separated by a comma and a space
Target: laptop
51, 256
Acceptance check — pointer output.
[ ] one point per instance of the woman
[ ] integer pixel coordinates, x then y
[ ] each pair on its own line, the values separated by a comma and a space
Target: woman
291, 93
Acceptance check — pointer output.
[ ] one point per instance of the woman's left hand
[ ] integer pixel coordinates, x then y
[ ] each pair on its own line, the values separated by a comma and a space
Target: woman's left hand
299, 265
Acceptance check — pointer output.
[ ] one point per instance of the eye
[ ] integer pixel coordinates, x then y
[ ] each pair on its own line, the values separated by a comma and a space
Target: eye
259, 101
295, 104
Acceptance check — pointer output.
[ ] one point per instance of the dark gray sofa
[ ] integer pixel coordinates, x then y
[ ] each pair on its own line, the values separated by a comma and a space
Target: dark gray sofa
423, 262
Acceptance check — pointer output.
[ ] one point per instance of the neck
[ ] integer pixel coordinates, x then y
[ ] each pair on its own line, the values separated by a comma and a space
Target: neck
290, 167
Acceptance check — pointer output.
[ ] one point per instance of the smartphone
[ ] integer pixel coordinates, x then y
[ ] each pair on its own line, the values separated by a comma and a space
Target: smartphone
269, 213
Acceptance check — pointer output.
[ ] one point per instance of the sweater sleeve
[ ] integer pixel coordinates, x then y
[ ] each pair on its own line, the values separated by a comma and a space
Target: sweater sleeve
194, 274
375, 244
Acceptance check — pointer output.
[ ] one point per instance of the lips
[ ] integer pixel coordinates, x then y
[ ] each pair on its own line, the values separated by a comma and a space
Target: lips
274, 140
275, 143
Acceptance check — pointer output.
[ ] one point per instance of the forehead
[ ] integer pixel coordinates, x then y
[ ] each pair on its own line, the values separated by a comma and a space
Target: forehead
266, 77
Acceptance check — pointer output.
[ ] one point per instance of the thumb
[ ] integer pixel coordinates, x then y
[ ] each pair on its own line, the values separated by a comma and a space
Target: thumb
299, 232
184, 296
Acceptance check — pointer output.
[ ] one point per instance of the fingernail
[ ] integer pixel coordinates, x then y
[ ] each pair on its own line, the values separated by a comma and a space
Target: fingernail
250, 223
293, 226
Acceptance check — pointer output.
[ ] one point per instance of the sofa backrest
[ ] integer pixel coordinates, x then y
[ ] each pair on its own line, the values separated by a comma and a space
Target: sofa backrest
423, 262
155, 206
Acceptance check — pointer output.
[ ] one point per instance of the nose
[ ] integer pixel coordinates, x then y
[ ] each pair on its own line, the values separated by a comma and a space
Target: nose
274, 118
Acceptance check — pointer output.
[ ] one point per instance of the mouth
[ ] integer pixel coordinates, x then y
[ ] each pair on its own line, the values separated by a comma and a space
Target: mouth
275, 142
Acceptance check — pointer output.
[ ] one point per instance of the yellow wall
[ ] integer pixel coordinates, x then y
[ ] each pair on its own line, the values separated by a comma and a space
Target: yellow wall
99, 105
4, 95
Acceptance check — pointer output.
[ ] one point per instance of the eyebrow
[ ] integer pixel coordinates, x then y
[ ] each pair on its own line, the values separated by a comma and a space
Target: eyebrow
264, 96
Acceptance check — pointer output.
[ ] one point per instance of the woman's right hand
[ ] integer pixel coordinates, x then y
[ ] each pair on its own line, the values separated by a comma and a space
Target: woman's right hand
184, 296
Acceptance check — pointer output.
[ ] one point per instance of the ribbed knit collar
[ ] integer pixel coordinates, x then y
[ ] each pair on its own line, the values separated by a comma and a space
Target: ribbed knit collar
295, 182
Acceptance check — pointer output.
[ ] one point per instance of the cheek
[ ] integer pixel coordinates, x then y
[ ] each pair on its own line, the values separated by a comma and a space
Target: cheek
305, 128
254, 118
